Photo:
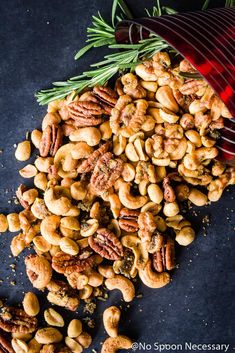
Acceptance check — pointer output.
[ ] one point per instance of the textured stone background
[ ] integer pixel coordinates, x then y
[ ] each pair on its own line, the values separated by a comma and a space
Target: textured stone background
38, 40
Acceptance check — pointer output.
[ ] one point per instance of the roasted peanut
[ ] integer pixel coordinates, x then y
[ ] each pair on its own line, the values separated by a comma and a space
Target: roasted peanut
40, 181
74, 328
31, 304
3, 223
170, 209
19, 345
84, 339
13, 222
197, 197
73, 345
23, 151
48, 335
34, 346
53, 318
29, 171
36, 136
185, 236
155, 193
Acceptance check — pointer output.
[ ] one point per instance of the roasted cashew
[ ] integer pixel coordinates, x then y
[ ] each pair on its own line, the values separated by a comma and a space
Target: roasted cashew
64, 162
70, 227
115, 205
49, 226
90, 135
165, 96
168, 116
113, 344
50, 119
153, 279
57, 200
105, 130
81, 150
39, 209
145, 73
129, 201
123, 284
106, 271
193, 161
78, 190
111, 318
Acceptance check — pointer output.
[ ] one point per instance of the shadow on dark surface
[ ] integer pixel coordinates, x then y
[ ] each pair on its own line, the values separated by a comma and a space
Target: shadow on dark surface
39, 40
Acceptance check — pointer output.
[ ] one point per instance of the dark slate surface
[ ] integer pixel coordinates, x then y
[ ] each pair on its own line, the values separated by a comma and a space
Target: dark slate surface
38, 40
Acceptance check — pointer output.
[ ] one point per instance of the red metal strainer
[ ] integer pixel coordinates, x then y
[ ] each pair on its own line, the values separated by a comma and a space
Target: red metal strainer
207, 40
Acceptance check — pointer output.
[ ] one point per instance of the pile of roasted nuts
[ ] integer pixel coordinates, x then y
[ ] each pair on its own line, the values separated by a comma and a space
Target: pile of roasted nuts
114, 168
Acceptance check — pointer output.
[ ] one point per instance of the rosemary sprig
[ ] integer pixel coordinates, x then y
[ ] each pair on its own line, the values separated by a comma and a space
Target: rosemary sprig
205, 5
229, 3
103, 71
99, 34
103, 33
159, 10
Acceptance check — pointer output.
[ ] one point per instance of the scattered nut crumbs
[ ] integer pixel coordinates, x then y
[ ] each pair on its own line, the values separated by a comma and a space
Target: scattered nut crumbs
89, 308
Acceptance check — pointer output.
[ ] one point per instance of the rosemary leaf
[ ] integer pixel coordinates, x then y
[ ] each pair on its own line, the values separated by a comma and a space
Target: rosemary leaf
114, 10
126, 11
195, 76
82, 51
169, 10
205, 5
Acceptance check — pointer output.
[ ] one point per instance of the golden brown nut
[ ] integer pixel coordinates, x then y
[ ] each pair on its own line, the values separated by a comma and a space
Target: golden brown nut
23, 151
111, 318
39, 270
31, 304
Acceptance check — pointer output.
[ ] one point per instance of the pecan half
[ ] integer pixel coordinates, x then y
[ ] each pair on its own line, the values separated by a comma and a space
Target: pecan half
17, 321
147, 226
67, 264
89, 164
86, 113
19, 193
51, 140
61, 294
106, 172
164, 259
192, 86
128, 220
106, 96
5, 343
169, 194
106, 244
